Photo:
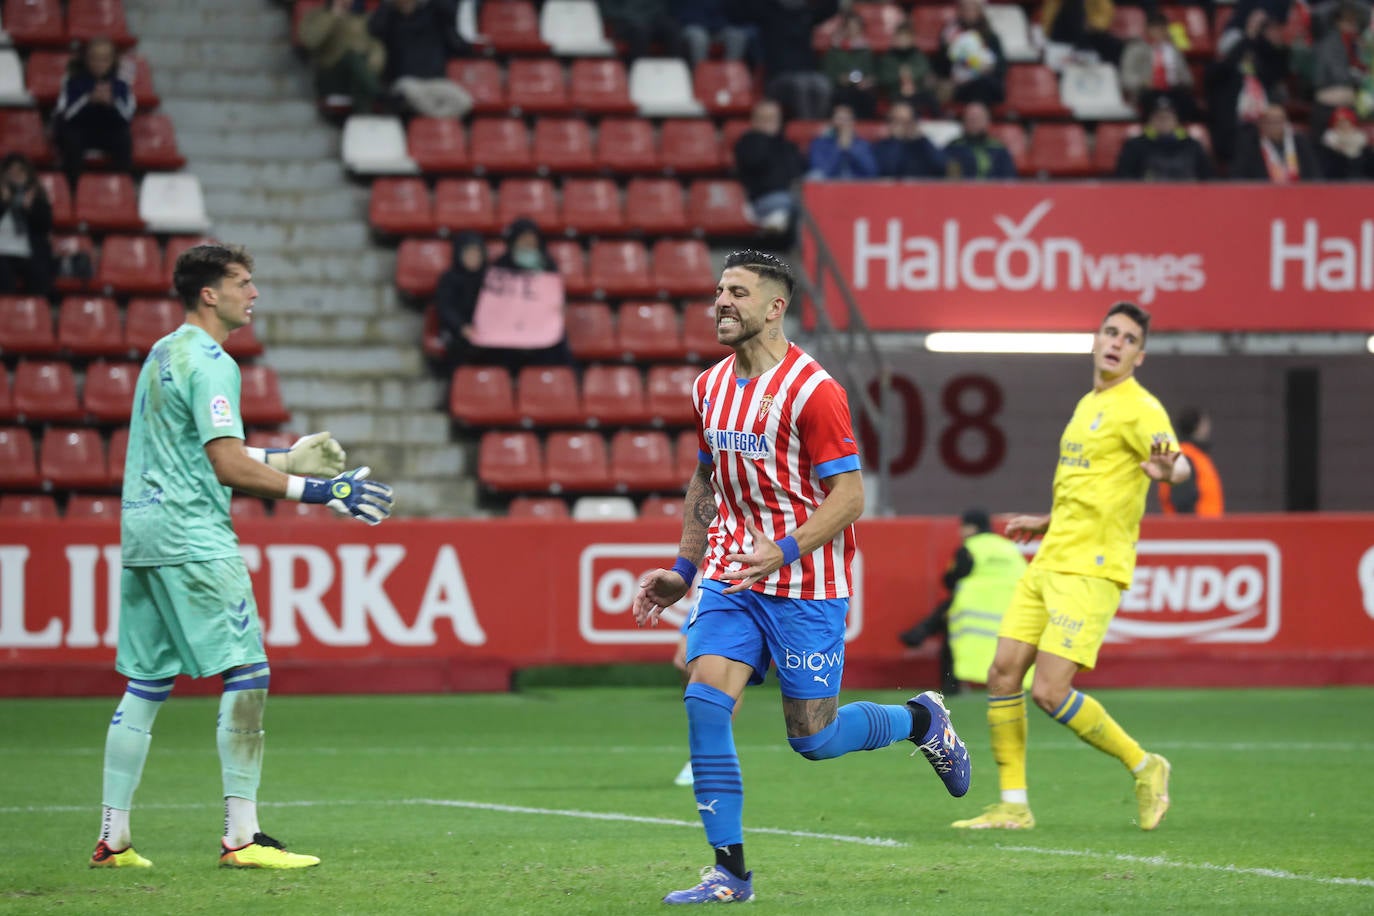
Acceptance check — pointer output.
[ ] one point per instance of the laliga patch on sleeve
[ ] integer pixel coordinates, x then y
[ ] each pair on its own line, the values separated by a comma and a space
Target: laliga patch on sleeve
221, 414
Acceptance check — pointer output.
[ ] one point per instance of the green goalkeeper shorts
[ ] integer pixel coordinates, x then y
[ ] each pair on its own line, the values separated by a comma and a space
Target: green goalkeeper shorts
198, 618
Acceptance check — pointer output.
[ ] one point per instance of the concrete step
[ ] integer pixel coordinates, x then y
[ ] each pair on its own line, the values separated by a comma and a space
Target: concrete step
342, 203
371, 361
403, 329
281, 298
219, 172
295, 115
286, 144
206, 82
229, 54
443, 462
149, 7
323, 236
244, 21
319, 394
451, 498
392, 427
360, 265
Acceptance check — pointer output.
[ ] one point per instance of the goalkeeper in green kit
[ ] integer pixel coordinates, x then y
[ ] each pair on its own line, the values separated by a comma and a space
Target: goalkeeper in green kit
186, 603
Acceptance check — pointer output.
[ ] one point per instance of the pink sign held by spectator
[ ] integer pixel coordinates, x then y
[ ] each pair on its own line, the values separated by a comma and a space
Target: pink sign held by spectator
519, 310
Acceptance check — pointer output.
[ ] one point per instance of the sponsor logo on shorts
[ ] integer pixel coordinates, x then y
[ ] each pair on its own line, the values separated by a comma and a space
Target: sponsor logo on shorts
812, 661
221, 414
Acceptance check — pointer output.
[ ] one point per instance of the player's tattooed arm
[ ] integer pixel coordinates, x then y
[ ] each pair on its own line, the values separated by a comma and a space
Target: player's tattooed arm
699, 515
808, 717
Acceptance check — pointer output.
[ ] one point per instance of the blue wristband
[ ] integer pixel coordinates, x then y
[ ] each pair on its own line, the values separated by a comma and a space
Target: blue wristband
275, 451
686, 569
791, 553
316, 491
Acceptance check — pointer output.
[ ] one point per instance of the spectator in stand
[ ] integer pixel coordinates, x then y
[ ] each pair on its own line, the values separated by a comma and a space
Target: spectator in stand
1201, 494
904, 73
1163, 151
851, 67
1339, 70
456, 297
840, 152
1084, 24
641, 23
346, 59
1277, 153
971, 58
768, 164
906, 152
525, 258
976, 154
707, 21
94, 110
420, 36
1344, 153
1153, 67
25, 221
789, 65
1244, 81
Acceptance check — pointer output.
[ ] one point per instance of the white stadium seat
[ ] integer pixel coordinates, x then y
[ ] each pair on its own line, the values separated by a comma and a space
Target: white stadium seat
376, 145
1009, 22
573, 28
1093, 92
604, 509
172, 202
661, 87
13, 92
942, 132
467, 22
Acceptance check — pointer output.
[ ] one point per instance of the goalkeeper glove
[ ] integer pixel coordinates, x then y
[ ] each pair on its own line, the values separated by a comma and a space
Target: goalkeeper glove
350, 494
316, 455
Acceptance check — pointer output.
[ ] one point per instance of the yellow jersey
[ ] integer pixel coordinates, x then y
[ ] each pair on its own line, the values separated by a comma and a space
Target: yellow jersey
1099, 488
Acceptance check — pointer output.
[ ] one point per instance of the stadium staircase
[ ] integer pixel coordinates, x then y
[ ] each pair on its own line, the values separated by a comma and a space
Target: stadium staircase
347, 355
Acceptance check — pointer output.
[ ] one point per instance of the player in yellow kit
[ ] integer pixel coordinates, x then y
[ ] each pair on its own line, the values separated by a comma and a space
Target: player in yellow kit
1118, 441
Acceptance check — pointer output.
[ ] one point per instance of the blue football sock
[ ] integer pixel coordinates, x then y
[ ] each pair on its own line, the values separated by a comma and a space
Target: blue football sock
717, 784
858, 727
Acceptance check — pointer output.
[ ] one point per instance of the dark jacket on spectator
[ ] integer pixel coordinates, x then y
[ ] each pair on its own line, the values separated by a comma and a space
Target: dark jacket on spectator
456, 298
828, 160
916, 158
1168, 157
1249, 162
420, 44
1344, 165
978, 157
74, 101
785, 31
767, 163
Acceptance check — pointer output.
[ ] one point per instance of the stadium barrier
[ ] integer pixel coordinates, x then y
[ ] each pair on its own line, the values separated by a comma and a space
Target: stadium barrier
428, 605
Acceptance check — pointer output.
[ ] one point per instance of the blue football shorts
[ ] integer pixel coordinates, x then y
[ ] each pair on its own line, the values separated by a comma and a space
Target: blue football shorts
804, 639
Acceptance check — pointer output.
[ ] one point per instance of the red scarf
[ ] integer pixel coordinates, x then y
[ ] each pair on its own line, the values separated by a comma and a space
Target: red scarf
1281, 170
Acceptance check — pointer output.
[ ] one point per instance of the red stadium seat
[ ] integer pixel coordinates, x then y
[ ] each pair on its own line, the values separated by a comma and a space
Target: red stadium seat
7, 414
130, 264
107, 202
501, 146
149, 320
1013, 137
22, 131
686, 454
260, 397
35, 23
26, 326
547, 396
544, 508
87, 19
65, 245
649, 331
73, 459
669, 391
119, 450
512, 27
1033, 93
660, 508
724, 87
927, 22
511, 461
655, 206
484, 81
563, 146
682, 267
419, 262
592, 206
627, 145
401, 206
145, 93
1060, 151
45, 391
177, 245
620, 268
60, 198
717, 207
577, 462
26, 505
247, 507
690, 147
572, 265
155, 144
465, 203
613, 396
1128, 22
243, 343
482, 396
537, 87
699, 333
43, 73
528, 197
90, 326
1107, 143
600, 87
109, 391
18, 466
1195, 25
643, 461
438, 145
591, 331
93, 507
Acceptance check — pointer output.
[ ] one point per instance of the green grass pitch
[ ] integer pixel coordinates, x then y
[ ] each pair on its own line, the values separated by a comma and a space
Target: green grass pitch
560, 800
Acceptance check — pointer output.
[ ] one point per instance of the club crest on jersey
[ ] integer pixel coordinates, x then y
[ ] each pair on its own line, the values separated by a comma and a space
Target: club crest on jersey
1097, 421
765, 405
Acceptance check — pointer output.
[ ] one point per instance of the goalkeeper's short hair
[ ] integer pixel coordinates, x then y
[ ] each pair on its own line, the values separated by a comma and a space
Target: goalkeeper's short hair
206, 265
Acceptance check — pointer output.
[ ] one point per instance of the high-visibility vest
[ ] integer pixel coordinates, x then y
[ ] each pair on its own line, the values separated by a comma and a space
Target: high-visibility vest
1210, 501
980, 600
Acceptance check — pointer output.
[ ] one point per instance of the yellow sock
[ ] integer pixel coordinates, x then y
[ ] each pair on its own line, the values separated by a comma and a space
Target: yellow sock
1091, 722
1007, 720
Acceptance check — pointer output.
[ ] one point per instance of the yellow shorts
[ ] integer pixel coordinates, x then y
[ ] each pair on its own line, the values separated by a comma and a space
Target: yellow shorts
1062, 613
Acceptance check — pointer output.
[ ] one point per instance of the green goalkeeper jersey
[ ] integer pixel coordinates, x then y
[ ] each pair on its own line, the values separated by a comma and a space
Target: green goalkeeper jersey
174, 508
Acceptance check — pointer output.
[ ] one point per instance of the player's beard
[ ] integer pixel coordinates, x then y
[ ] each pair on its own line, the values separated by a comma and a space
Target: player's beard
742, 332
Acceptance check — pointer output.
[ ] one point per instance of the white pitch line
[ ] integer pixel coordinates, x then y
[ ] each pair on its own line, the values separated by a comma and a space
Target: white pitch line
1162, 862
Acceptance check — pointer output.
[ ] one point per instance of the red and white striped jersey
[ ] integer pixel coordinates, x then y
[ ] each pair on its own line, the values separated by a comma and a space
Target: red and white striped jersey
773, 440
